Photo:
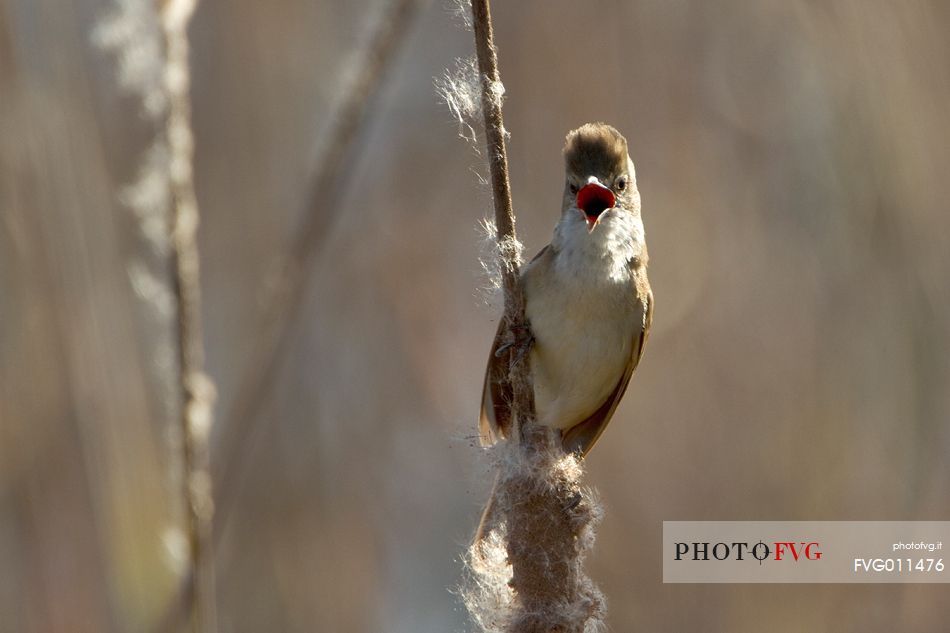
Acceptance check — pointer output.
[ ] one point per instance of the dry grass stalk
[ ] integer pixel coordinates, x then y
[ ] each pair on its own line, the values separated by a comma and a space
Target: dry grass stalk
542, 517
196, 387
286, 297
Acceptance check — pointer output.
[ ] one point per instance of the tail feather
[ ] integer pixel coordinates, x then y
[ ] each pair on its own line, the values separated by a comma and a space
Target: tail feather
487, 522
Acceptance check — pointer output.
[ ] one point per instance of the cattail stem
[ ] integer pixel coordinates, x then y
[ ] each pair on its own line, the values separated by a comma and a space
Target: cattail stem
548, 519
492, 92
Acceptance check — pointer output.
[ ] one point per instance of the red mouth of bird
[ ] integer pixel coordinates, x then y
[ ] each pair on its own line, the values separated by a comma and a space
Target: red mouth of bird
593, 199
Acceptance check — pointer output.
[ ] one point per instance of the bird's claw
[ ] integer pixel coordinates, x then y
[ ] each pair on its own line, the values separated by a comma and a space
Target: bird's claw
522, 340
573, 502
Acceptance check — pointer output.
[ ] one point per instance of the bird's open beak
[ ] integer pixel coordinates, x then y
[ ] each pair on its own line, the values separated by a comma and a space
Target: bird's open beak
592, 200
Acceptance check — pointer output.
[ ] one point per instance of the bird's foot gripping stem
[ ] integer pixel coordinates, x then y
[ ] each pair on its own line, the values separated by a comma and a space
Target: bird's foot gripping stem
519, 339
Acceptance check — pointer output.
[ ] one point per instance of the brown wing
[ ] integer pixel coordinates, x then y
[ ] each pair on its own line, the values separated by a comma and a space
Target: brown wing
581, 437
494, 422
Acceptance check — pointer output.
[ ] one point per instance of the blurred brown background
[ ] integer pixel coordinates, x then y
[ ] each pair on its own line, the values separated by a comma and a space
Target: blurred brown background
792, 157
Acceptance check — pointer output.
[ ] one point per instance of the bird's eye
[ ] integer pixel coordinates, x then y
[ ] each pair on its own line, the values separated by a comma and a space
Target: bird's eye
621, 183
573, 188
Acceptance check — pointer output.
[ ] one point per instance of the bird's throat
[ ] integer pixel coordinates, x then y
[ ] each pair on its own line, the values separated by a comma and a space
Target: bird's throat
599, 252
